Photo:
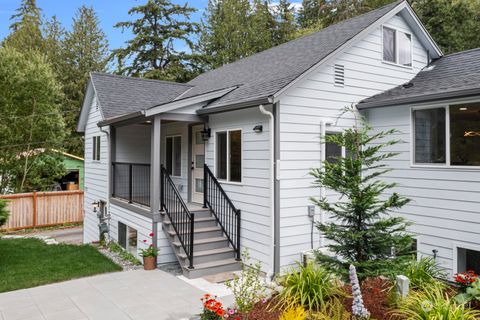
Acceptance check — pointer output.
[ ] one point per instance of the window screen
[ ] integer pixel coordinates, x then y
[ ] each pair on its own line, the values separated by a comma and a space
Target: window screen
235, 140
389, 45
332, 150
122, 235
404, 49
173, 161
221, 155
96, 148
429, 126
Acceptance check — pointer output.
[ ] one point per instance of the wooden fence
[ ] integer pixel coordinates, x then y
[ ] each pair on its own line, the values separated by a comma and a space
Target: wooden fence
43, 209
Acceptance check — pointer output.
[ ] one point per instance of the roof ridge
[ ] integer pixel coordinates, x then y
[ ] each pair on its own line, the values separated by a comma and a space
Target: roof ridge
140, 79
396, 2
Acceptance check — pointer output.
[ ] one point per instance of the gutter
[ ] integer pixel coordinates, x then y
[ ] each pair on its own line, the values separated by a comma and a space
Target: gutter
418, 99
127, 116
236, 106
109, 172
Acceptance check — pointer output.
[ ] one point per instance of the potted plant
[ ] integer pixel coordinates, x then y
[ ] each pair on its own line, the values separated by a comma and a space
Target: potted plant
149, 256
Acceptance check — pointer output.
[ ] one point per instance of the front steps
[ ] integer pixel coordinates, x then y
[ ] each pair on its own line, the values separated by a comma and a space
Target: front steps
212, 253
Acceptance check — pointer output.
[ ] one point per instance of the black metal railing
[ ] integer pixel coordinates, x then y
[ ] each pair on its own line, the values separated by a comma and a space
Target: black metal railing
131, 181
227, 216
182, 220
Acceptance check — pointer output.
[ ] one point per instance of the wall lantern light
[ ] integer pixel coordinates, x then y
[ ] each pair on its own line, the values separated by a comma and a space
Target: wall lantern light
95, 206
206, 133
258, 128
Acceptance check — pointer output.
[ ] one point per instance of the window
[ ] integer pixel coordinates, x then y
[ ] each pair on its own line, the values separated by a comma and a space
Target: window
429, 126
229, 155
468, 259
96, 148
127, 238
452, 131
397, 47
174, 156
332, 150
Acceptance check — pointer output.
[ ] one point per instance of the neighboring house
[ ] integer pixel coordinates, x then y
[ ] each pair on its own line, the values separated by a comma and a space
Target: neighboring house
241, 140
74, 178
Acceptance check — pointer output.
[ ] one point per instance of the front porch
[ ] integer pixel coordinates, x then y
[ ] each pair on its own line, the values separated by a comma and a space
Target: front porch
158, 171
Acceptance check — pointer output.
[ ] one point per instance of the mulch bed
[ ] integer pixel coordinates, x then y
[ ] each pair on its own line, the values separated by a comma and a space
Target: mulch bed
264, 311
376, 297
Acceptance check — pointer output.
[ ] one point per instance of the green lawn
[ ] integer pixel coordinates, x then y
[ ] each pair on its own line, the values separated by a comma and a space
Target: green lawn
26, 263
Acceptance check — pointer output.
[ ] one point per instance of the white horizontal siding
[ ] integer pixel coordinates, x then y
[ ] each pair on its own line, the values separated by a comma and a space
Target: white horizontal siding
316, 98
444, 205
133, 143
96, 173
143, 225
252, 196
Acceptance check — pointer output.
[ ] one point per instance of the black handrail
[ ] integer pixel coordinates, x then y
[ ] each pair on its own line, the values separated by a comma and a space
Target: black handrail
131, 182
227, 216
181, 218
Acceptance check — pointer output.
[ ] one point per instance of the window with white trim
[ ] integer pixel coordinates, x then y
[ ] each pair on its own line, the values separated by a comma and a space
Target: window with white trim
468, 259
96, 148
173, 152
397, 47
447, 135
333, 151
228, 155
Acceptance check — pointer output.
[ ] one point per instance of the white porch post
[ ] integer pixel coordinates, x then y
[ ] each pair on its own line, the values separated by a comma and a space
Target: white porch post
155, 161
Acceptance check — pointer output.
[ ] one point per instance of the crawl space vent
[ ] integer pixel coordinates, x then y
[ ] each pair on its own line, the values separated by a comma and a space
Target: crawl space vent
339, 75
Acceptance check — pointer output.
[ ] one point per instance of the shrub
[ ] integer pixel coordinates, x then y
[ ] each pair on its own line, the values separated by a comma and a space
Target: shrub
333, 310
3, 212
297, 313
248, 288
424, 274
310, 286
434, 304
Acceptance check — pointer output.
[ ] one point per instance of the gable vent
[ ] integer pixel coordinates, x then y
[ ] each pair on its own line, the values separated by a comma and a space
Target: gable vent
339, 75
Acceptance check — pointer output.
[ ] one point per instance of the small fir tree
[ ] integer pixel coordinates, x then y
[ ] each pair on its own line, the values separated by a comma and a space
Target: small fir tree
362, 229
3, 212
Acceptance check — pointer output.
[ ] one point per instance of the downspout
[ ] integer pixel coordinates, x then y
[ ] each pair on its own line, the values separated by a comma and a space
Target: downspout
323, 131
109, 164
271, 128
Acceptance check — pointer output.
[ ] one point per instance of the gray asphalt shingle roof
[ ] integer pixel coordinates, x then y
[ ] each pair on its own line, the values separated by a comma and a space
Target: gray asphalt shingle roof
454, 75
267, 72
256, 77
120, 95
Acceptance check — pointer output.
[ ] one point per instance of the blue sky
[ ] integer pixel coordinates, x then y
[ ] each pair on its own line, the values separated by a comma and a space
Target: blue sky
109, 11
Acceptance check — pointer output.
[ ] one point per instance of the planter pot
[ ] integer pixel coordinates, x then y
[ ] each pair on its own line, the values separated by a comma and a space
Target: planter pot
149, 263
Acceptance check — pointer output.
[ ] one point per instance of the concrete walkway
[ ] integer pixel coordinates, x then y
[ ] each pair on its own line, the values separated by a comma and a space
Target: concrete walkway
72, 235
139, 295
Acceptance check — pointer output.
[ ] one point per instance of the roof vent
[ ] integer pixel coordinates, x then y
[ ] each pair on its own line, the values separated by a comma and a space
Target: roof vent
407, 85
339, 75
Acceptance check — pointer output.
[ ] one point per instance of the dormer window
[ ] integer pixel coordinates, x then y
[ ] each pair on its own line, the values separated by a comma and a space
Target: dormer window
397, 47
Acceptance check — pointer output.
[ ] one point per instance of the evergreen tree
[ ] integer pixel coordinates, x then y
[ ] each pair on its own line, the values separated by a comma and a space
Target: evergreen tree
159, 28
262, 26
85, 50
285, 22
225, 32
30, 120
454, 25
362, 229
54, 35
312, 12
26, 28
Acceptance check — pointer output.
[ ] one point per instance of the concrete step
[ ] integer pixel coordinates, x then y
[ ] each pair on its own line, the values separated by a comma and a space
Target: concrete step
204, 244
199, 222
200, 233
212, 267
203, 213
208, 255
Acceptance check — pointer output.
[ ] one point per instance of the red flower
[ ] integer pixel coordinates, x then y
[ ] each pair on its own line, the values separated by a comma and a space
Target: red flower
145, 241
151, 234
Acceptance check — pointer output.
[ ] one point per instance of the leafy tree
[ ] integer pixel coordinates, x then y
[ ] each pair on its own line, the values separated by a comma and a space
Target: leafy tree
84, 50
159, 28
362, 229
286, 26
30, 119
262, 26
312, 12
3, 212
26, 27
453, 24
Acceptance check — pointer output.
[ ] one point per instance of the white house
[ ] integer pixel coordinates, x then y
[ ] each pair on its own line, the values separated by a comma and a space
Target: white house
222, 163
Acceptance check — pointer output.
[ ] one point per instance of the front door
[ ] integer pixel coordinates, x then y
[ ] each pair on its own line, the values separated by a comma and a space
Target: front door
198, 160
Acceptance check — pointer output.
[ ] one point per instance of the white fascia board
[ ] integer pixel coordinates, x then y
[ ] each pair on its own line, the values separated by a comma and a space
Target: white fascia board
178, 104
87, 104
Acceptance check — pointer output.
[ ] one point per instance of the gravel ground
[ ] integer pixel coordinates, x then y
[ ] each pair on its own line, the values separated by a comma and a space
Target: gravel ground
126, 265
172, 268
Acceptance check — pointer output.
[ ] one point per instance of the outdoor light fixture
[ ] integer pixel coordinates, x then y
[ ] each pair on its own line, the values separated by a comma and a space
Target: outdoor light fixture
206, 133
95, 206
258, 128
